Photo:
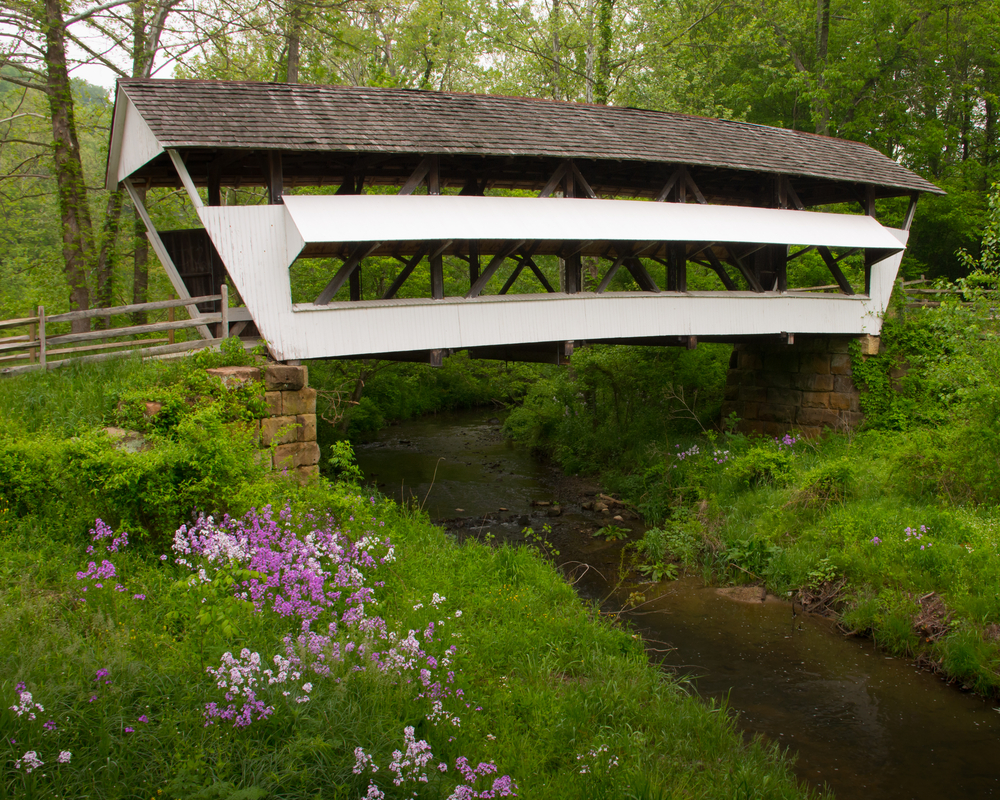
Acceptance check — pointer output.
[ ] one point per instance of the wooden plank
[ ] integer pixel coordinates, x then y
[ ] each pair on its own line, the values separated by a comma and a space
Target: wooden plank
360, 252
838, 276
129, 309
41, 337
134, 330
166, 349
910, 211
161, 253
581, 182
473, 261
405, 272
642, 277
610, 274
17, 323
745, 271
86, 348
185, 176
416, 176
715, 264
668, 186
802, 252
492, 267
555, 180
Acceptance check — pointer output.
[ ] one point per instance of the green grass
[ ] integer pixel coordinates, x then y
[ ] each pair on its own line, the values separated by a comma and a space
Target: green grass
553, 679
552, 687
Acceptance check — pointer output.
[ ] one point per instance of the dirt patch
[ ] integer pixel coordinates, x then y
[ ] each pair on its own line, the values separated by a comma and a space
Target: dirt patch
934, 619
743, 594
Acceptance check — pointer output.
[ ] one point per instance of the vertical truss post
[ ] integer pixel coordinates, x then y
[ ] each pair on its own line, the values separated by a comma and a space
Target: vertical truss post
275, 178
356, 283
473, 261
676, 267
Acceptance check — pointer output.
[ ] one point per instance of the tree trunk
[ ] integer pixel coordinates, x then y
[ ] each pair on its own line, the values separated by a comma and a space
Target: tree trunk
821, 105
140, 263
556, 20
77, 229
602, 82
106, 258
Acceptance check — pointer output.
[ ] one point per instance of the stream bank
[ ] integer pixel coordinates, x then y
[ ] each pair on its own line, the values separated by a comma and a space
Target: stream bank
860, 722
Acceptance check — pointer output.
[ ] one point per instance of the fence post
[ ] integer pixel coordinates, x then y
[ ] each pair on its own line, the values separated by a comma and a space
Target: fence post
224, 333
32, 352
170, 318
41, 336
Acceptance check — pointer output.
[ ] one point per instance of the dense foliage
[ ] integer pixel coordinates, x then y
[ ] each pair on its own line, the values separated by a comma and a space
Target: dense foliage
314, 642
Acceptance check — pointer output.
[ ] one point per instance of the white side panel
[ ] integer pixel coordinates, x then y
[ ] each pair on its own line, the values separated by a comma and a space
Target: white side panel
257, 244
138, 144
884, 275
381, 218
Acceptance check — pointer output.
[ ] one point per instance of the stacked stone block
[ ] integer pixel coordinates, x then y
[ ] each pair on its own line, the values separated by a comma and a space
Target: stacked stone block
807, 386
290, 424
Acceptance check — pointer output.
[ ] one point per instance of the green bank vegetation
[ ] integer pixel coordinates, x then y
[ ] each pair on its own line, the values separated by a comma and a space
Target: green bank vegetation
894, 528
133, 650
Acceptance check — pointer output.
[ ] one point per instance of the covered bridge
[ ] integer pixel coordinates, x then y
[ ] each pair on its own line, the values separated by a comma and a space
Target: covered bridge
665, 228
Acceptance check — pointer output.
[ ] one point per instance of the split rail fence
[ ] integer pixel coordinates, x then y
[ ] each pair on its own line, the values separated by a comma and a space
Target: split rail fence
41, 350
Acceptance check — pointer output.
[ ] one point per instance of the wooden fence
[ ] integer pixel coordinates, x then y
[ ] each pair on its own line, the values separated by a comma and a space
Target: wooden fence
41, 350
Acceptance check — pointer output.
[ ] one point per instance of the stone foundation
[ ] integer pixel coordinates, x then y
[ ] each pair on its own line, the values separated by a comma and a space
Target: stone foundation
290, 424
807, 386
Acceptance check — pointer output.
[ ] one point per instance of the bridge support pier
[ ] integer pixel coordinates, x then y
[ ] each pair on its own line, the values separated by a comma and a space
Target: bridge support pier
774, 388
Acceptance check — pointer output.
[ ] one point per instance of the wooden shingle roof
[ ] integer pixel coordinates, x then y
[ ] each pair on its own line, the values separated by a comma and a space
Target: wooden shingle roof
292, 117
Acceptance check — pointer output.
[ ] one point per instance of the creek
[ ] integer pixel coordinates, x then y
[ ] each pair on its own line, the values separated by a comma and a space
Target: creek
858, 722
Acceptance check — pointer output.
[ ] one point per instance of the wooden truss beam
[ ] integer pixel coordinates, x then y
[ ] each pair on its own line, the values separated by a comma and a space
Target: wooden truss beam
492, 267
352, 262
406, 271
715, 264
829, 260
626, 253
161, 252
745, 271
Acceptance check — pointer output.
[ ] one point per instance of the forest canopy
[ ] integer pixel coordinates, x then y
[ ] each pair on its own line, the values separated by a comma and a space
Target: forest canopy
916, 80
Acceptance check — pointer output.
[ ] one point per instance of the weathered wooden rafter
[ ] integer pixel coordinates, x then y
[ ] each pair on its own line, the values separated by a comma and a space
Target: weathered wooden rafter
745, 271
408, 266
509, 247
353, 261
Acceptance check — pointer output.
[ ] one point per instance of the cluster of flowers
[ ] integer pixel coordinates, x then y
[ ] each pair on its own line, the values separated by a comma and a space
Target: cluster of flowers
788, 440
300, 572
320, 577
413, 765
27, 707
30, 760
915, 535
720, 456
96, 574
593, 758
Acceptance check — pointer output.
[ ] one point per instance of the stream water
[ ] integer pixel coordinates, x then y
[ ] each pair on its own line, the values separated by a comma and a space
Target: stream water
863, 724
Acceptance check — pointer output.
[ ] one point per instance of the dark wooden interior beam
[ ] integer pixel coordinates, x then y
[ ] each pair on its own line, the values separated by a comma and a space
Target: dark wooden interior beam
492, 267
625, 253
838, 276
745, 271
416, 176
641, 275
720, 270
353, 261
530, 262
910, 211
406, 271
555, 180
668, 186
275, 179
581, 182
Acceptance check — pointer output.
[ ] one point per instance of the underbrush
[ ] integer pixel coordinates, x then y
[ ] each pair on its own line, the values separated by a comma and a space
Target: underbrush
290, 654
177, 621
843, 520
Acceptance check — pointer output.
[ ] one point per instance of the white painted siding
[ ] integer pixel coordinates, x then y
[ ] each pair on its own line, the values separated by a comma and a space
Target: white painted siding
258, 243
381, 218
138, 144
